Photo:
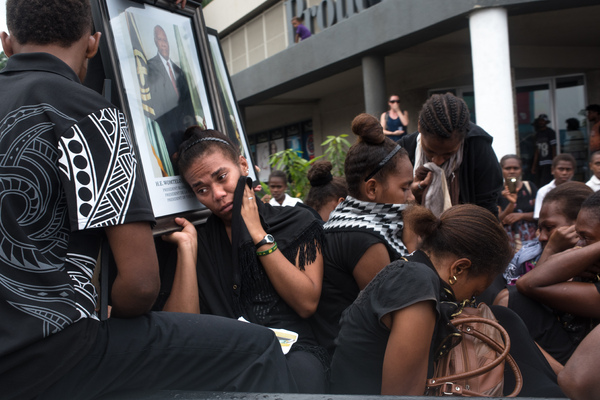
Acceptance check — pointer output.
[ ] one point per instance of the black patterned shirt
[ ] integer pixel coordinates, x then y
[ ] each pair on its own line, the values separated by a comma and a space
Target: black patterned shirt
67, 168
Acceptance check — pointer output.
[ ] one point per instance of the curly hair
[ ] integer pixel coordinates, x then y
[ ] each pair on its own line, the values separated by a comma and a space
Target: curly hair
44, 22
370, 149
444, 115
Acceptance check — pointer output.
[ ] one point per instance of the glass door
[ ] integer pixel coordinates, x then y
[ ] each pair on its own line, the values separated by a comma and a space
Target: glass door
533, 99
571, 121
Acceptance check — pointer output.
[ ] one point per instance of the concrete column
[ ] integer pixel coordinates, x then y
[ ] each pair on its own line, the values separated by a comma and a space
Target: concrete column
491, 77
373, 68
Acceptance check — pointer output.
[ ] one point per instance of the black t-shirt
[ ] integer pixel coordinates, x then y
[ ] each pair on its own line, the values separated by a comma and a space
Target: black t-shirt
68, 170
545, 140
358, 360
525, 199
343, 250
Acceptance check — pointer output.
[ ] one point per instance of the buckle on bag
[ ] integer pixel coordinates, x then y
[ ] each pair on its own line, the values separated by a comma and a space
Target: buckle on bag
450, 389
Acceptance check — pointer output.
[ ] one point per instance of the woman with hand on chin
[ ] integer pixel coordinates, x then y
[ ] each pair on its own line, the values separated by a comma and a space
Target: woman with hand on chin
255, 261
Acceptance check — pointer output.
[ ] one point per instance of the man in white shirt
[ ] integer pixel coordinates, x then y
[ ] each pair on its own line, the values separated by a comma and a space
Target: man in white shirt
594, 181
563, 169
278, 187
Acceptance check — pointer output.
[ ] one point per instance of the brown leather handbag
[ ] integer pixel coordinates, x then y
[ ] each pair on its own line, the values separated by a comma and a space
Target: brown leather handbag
475, 367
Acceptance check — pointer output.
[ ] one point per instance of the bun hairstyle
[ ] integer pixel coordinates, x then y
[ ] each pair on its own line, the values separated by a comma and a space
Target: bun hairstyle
464, 230
444, 115
199, 142
569, 196
366, 154
324, 186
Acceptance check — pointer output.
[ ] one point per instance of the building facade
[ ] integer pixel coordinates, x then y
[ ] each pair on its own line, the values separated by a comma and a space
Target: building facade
511, 60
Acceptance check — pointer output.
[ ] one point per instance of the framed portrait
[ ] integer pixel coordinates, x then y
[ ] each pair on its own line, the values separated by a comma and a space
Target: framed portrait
228, 103
159, 59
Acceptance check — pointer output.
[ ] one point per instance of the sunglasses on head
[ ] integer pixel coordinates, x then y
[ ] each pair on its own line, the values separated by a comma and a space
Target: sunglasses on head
394, 101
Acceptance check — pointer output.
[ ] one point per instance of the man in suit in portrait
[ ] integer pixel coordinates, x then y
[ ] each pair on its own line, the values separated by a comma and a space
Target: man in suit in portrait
171, 100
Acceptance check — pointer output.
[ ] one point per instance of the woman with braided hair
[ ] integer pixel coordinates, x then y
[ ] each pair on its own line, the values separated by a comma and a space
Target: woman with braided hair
453, 158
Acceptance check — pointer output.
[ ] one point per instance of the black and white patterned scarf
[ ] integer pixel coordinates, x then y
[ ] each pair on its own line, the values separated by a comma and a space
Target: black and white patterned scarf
383, 219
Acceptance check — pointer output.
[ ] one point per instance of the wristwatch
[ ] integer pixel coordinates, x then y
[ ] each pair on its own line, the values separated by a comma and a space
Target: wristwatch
268, 239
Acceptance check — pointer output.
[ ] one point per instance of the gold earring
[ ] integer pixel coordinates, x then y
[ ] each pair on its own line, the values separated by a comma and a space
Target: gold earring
452, 280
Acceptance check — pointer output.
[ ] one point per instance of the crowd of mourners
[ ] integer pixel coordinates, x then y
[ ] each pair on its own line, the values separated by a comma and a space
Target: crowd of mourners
368, 271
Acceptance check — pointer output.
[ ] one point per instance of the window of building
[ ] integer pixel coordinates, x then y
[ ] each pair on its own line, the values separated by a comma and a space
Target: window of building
297, 136
562, 99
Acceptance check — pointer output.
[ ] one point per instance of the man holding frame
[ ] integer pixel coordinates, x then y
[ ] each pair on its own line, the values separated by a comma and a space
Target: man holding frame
68, 176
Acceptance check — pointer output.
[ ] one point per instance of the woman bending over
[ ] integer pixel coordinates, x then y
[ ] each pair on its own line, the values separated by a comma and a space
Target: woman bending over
389, 336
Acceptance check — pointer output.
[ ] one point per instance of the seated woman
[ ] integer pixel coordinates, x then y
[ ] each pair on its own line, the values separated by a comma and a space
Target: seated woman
326, 191
453, 158
389, 334
517, 203
556, 330
559, 214
254, 261
366, 231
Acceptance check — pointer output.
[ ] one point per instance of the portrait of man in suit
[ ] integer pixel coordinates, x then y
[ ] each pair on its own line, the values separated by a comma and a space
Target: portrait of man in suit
170, 93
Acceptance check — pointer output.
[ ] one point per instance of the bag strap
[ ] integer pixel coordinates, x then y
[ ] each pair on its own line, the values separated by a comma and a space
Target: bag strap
526, 184
460, 323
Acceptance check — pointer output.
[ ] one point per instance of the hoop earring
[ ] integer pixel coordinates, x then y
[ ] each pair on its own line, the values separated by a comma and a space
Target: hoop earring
452, 280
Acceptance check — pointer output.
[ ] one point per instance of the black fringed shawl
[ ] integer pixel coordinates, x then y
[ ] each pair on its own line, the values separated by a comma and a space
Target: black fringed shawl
231, 280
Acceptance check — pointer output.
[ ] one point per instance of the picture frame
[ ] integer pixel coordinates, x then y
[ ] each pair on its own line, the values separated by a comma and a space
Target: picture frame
157, 59
228, 103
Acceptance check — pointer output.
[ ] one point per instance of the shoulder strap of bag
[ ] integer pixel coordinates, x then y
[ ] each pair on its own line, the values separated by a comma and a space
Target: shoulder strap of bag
527, 187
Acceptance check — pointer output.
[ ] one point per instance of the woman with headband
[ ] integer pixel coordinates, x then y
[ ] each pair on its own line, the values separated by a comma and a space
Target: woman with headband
254, 261
366, 231
453, 158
